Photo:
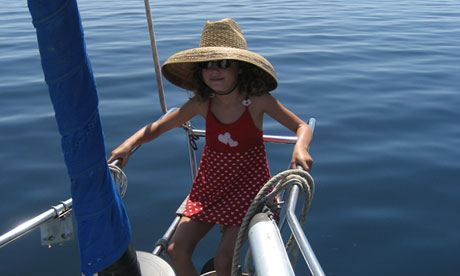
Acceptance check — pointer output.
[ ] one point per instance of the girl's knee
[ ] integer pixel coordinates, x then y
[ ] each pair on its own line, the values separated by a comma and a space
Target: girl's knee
176, 251
171, 249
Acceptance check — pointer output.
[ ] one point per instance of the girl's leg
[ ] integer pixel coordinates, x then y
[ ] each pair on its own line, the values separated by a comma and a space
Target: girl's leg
224, 254
188, 233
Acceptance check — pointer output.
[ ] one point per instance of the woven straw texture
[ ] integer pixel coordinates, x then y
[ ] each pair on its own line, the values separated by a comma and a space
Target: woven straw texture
222, 39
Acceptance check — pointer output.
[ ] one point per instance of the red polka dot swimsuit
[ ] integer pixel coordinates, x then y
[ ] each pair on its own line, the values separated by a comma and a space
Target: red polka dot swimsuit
232, 170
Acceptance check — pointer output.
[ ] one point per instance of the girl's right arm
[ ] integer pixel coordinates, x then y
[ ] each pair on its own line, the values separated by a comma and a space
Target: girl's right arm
151, 131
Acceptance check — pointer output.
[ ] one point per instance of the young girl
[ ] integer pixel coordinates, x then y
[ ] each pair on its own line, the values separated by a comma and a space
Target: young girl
231, 87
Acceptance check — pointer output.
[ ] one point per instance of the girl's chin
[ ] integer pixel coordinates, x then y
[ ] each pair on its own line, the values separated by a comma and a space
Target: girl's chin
218, 90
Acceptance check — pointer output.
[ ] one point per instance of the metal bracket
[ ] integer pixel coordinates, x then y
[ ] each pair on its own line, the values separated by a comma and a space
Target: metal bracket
58, 230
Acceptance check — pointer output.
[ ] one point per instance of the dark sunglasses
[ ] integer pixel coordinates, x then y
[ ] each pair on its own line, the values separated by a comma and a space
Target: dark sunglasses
222, 64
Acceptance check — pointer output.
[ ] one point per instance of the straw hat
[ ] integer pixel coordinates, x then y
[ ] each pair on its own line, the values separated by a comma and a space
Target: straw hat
222, 39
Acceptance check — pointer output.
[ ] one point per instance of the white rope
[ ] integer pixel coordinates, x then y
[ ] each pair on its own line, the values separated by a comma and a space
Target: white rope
120, 179
285, 180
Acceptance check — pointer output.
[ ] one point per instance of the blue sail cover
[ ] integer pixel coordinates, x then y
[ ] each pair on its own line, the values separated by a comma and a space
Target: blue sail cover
104, 231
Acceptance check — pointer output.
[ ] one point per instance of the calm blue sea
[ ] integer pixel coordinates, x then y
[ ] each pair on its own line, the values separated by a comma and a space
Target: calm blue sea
382, 78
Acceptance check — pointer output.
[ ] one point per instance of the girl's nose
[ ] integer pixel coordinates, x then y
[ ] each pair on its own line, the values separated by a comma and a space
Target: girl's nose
214, 67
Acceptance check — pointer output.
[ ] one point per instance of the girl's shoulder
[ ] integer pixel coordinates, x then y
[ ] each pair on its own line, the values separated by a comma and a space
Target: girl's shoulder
261, 102
197, 105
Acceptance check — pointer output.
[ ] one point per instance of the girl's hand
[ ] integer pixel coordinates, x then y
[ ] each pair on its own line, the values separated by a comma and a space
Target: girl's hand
301, 157
122, 152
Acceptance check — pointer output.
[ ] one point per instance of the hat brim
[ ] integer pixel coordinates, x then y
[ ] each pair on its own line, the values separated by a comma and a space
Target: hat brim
178, 69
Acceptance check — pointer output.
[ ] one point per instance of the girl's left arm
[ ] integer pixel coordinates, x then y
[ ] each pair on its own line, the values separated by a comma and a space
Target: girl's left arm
300, 155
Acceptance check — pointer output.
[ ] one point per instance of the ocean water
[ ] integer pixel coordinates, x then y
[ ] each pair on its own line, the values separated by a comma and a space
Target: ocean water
382, 78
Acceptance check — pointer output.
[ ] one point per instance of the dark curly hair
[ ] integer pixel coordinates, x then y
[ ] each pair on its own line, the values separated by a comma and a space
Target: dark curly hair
251, 81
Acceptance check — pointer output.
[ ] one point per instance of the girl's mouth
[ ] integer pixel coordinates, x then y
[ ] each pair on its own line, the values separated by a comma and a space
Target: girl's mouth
216, 79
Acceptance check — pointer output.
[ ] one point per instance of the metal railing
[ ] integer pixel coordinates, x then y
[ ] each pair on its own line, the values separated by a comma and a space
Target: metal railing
26, 227
299, 234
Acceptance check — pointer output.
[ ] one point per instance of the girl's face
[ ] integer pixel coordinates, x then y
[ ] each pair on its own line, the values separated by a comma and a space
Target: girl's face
221, 76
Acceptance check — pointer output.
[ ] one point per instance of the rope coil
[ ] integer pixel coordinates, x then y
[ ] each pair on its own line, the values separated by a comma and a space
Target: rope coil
280, 182
120, 179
